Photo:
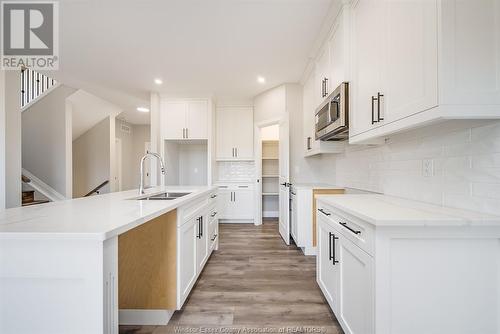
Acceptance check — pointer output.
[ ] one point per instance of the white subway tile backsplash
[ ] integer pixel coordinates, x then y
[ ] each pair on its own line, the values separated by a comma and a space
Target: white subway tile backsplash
465, 156
236, 170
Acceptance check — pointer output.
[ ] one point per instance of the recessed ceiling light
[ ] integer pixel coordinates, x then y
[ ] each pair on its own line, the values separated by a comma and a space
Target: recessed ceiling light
142, 109
158, 81
261, 79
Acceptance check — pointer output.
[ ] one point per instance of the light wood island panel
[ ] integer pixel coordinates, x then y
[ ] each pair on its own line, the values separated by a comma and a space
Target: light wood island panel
147, 265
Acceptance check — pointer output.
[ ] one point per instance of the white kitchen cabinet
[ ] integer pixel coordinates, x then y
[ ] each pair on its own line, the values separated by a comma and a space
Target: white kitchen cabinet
322, 74
366, 64
202, 244
234, 131
421, 62
184, 119
188, 267
355, 287
236, 202
194, 246
327, 273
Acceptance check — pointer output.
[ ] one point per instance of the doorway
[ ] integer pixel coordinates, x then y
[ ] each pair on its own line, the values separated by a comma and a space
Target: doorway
272, 174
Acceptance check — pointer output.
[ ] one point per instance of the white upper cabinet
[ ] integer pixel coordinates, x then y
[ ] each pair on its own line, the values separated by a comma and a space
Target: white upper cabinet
366, 64
418, 62
322, 72
234, 130
184, 119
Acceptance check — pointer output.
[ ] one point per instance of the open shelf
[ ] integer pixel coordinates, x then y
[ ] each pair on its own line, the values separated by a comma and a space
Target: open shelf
270, 175
270, 158
270, 194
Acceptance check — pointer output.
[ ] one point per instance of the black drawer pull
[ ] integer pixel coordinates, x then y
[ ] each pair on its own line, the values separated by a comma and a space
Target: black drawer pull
213, 196
350, 229
214, 213
331, 256
215, 237
324, 212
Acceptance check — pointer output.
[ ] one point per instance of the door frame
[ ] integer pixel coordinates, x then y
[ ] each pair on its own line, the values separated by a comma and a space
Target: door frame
258, 164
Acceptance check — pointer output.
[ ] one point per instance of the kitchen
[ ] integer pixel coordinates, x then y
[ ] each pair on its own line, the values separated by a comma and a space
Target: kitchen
359, 197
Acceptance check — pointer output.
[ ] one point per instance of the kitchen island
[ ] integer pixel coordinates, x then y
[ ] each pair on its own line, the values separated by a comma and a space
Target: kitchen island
69, 266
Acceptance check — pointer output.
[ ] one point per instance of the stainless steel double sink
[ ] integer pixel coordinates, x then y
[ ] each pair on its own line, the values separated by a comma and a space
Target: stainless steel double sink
166, 196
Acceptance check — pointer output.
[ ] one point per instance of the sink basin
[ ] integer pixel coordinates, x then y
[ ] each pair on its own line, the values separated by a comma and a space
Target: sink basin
168, 196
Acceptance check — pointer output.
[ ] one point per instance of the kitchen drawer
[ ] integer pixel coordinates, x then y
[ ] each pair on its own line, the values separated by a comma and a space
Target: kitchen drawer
188, 211
362, 234
212, 214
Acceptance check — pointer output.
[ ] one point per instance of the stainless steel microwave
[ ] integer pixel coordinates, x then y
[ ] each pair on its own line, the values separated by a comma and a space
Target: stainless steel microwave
332, 116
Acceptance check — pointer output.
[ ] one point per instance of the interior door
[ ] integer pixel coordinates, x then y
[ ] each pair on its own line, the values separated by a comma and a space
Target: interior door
284, 181
197, 120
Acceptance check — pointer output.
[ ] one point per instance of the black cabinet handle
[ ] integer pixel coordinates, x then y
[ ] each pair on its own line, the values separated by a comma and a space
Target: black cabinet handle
214, 213
213, 196
373, 109
215, 237
201, 225
199, 228
378, 106
309, 143
331, 255
326, 86
324, 212
242, 186
350, 229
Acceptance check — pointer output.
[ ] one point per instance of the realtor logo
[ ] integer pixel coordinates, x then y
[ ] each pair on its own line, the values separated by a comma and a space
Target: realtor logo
29, 35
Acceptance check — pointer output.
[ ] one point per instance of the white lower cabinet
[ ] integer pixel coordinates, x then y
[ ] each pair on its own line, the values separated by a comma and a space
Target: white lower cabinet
188, 266
396, 277
236, 202
196, 225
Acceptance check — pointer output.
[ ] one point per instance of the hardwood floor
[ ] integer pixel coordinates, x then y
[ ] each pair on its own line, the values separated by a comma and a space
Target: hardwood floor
254, 281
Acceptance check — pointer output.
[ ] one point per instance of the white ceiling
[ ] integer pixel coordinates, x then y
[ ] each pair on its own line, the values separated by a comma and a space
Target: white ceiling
115, 48
87, 111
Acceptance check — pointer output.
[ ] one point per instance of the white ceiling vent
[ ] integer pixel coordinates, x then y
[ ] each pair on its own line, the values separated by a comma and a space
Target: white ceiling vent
125, 128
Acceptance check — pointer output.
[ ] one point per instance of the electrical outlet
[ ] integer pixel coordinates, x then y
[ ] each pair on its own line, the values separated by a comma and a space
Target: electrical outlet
428, 168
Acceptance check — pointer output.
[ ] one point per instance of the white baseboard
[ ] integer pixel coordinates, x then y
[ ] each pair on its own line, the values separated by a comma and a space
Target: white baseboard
270, 214
309, 251
144, 317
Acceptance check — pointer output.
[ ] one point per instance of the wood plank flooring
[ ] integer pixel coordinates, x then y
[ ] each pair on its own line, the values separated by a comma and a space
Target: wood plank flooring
253, 282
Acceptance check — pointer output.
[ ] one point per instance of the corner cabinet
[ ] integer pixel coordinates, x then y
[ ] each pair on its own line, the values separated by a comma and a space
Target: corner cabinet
184, 119
234, 132
418, 62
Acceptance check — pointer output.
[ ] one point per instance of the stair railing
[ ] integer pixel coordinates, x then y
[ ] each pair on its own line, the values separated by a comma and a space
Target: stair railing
33, 84
97, 189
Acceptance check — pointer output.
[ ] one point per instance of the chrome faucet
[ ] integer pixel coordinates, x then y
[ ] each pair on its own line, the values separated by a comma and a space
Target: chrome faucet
162, 167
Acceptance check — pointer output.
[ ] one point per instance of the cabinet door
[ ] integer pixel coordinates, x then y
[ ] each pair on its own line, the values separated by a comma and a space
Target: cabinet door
322, 75
366, 63
242, 132
338, 52
224, 133
243, 204
410, 39
197, 119
225, 203
327, 269
187, 259
173, 119
356, 288
202, 241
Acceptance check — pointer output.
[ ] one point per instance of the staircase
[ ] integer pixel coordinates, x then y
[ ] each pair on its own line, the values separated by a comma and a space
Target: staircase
37, 192
29, 198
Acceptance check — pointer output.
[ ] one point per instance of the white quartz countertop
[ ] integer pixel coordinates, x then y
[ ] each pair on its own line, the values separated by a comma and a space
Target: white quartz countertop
382, 210
97, 217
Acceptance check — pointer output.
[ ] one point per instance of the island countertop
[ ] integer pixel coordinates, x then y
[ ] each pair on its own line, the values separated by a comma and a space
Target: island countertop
383, 210
97, 217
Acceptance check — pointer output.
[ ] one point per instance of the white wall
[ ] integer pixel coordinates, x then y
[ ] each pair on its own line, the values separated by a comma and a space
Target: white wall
133, 148
92, 158
12, 139
45, 139
2, 140
271, 132
270, 105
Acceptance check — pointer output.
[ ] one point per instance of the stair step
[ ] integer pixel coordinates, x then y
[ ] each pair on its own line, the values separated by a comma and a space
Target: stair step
35, 202
28, 196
